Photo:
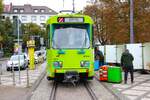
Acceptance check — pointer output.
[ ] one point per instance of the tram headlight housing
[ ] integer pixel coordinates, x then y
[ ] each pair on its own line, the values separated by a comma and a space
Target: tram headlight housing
84, 63
57, 64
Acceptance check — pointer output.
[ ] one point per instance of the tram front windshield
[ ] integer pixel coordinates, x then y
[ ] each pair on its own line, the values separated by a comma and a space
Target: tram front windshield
71, 36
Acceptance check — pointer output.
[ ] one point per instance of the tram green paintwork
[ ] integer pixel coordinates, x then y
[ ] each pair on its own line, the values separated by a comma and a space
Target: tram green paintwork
71, 58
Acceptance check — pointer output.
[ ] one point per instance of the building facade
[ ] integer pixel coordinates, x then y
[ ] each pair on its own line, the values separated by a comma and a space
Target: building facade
28, 13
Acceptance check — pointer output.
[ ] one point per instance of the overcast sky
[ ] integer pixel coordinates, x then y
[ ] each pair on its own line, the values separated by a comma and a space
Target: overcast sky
56, 5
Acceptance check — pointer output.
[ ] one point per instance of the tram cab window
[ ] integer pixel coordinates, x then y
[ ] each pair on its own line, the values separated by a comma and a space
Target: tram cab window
71, 36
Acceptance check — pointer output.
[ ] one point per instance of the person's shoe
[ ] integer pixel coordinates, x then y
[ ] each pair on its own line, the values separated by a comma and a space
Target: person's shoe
132, 82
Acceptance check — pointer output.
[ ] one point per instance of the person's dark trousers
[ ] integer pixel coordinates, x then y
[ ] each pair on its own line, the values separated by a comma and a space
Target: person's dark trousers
126, 75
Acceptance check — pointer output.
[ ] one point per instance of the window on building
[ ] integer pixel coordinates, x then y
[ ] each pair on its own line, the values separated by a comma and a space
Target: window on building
42, 24
42, 10
42, 18
50, 10
15, 10
24, 18
123, 0
15, 17
33, 18
35, 10
21, 10
2, 17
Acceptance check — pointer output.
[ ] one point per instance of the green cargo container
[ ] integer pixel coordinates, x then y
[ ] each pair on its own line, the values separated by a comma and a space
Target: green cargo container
114, 74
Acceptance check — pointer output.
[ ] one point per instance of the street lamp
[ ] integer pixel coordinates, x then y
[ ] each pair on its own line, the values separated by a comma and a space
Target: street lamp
131, 22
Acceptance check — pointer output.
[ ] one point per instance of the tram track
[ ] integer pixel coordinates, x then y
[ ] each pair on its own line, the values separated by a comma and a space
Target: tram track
87, 91
86, 86
53, 91
90, 91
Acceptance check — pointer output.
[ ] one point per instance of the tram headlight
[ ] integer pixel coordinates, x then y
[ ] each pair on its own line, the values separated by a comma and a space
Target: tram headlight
57, 64
84, 63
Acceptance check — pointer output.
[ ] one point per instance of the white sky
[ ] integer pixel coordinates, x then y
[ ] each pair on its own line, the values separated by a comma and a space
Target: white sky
56, 5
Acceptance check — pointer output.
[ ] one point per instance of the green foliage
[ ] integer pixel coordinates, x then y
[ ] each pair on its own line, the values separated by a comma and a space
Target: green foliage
6, 41
1, 6
112, 20
32, 29
8, 26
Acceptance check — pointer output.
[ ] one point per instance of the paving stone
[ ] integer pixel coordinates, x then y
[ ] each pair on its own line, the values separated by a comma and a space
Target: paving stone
143, 77
33, 76
7, 83
134, 92
139, 80
144, 88
148, 95
145, 98
119, 89
122, 86
148, 82
145, 84
131, 97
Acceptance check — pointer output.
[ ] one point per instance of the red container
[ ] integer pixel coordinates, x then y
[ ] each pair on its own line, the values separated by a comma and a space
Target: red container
103, 73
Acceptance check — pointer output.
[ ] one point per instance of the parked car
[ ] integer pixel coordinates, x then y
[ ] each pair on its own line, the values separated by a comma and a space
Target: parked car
38, 57
26, 57
43, 54
16, 61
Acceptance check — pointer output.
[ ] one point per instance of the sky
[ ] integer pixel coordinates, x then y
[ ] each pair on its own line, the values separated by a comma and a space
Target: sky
56, 5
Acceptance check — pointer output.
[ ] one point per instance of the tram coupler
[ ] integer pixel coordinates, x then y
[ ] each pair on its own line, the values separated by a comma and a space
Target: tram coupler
72, 77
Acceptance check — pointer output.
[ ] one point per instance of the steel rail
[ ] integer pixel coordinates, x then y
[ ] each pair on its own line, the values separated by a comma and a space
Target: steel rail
90, 91
53, 91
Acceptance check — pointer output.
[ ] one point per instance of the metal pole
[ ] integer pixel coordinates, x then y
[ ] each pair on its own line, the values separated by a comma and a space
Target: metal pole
131, 22
13, 74
73, 6
27, 77
63, 3
0, 73
19, 51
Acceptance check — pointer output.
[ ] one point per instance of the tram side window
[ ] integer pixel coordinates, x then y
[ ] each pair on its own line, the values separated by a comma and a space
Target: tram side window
48, 39
93, 36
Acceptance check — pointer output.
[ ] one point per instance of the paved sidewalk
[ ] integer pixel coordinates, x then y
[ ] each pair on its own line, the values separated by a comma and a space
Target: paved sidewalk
7, 77
139, 90
19, 91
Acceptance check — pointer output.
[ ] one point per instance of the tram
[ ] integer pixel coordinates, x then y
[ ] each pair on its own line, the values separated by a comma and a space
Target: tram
70, 52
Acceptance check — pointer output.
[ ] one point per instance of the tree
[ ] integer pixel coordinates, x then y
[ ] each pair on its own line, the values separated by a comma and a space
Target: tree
142, 20
106, 23
8, 26
111, 18
32, 29
1, 25
2, 31
1, 6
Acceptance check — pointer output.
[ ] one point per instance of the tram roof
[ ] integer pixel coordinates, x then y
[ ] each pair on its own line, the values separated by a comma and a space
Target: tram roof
54, 19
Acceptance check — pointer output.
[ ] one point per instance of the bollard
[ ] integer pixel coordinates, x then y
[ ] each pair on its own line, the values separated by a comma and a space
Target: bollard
27, 77
0, 73
13, 75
